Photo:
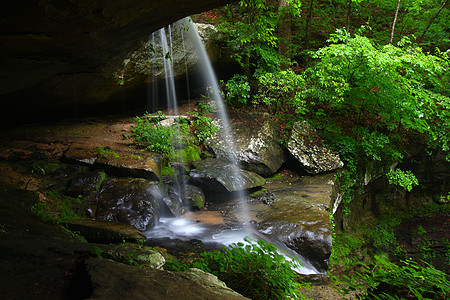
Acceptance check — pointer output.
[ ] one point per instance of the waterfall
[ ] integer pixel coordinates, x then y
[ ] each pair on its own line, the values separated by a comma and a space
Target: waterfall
168, 72
210, 78
186, 228
185, 66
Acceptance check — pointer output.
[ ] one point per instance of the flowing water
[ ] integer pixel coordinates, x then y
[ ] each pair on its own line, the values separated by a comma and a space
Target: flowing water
208, 226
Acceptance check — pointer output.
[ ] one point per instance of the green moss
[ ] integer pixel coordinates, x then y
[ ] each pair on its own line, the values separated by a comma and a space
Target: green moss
167, 171
57, 207
198, 201
103, 176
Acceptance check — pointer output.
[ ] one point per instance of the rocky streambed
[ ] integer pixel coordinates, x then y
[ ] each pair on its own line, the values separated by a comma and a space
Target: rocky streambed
92, 161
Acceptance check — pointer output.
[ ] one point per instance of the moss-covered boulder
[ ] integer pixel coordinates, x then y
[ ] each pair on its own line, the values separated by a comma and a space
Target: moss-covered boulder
216, 175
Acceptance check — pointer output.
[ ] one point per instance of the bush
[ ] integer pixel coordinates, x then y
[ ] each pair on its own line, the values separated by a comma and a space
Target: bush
237, 90
281, 90
256, 270
386, 280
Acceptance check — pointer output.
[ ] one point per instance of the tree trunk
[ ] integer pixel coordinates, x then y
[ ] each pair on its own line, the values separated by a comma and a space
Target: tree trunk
394, 22
349, 12
432, 20
284, 33
308, 25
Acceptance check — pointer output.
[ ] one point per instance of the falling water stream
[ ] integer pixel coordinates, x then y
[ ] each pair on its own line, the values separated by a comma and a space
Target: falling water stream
188, 226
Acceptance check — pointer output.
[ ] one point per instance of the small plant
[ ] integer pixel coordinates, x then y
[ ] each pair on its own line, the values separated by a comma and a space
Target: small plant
386, 280
107, 152
96, 251
405, 179
255, 270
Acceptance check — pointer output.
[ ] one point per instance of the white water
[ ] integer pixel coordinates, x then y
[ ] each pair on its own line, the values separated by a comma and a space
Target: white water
211, 80
185, 228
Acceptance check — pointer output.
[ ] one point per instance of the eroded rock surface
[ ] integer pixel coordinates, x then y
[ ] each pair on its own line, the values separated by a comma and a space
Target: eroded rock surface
257, 149
215, 175
306, 146
112, 280
132, 201
299, 218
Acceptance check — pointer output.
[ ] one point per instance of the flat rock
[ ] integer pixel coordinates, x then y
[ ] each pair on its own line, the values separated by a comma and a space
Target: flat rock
112, 280
132, 165
97, 231
299, 218
114, 162
215, 175
306, 146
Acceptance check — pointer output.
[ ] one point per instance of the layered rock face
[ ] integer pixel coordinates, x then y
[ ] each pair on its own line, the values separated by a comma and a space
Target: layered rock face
58, 57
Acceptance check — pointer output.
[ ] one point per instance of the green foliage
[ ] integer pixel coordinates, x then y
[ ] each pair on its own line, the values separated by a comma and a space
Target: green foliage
237, 90
203, 127
378, 101
345, 249
102, 151
405, 179
251, 27
96, 251
386, 280
255, 270
57, 208
283, 89
156, 137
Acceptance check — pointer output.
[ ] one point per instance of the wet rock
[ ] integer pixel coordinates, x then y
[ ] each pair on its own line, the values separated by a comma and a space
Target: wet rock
257, 149
112, 280
148, 60
312, 240
267, 198
84, 183
174, 202
134, 254
194, 197
148, 167
116, 162
215, 175
306, 146
132, 201
106, 232
299, 218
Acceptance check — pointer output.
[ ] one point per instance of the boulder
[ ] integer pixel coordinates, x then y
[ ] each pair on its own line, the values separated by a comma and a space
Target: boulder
125, 165
174, 202
147, 61
132, 201
256, 147
112, 280
96, 231
215, 175
84, 183
194, 197
299, 218
306, 146
116, 162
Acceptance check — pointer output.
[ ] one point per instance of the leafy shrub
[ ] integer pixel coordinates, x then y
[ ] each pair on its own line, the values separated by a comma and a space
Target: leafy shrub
203, 127
237, 90
255, 270
386, 280
281, 89
405, 179
156, 137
